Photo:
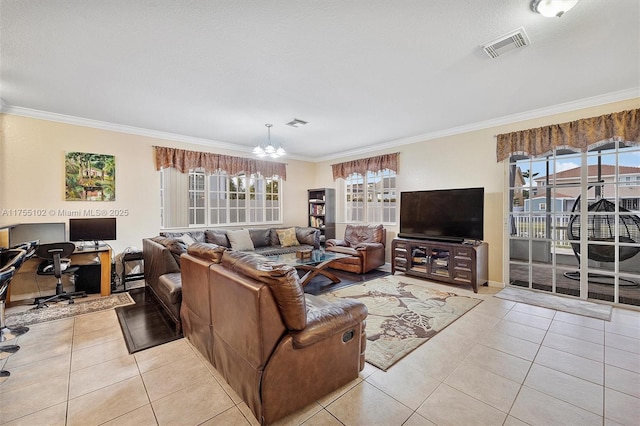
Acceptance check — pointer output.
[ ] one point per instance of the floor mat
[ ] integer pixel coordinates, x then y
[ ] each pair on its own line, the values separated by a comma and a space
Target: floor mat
559, 303
59, 310
145, 324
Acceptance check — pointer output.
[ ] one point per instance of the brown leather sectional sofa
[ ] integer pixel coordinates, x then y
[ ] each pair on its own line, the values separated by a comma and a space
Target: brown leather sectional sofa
265, 240
162, 273
162, 258
278, 348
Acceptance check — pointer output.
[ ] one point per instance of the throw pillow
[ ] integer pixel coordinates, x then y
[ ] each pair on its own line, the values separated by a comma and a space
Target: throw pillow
197, 236
240, 239
187, 239
309, 236
261, 237
287, 237
217, 237
176, 247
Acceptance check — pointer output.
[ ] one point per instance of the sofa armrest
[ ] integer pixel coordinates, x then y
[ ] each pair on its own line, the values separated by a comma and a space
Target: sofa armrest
345, 250
335, 242
369, 246
325, 319
158, 260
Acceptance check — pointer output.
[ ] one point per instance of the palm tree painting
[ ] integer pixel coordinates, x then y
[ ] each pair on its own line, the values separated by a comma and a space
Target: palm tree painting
90, 177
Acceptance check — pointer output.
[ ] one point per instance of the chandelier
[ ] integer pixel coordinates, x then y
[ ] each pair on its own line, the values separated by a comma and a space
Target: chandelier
269, 150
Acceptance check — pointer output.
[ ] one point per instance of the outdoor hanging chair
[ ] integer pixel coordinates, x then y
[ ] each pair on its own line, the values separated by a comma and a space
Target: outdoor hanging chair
601, 228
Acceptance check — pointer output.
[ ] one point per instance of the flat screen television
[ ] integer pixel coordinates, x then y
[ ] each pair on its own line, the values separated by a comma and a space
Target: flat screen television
92, 229
446, 214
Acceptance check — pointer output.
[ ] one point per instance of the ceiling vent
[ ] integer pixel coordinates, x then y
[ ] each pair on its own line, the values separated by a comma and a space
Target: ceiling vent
296, 123
506, 43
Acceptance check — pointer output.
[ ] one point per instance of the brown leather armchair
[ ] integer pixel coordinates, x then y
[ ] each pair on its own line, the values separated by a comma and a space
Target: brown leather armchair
365, 244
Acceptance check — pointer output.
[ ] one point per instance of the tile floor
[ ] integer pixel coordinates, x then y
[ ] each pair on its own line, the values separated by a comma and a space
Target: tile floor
503, 363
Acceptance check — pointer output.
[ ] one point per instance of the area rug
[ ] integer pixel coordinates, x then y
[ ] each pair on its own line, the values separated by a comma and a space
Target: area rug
403, 315
559, 303
65, 310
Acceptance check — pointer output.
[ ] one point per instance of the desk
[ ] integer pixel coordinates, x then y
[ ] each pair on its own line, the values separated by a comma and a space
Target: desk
24, 284
104, 254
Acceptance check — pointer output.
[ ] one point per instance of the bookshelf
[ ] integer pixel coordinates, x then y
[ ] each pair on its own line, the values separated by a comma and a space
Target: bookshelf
322, 206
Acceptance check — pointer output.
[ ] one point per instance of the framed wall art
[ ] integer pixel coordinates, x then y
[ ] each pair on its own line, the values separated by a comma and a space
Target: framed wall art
90, 177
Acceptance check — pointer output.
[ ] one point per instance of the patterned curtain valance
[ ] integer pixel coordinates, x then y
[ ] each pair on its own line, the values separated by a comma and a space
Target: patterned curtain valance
184, 160
579, 134
364, 165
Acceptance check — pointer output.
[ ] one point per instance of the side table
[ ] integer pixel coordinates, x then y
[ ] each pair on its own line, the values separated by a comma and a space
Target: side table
130, 257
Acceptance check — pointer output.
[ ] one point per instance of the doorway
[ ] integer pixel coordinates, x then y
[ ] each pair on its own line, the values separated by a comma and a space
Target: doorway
574, 222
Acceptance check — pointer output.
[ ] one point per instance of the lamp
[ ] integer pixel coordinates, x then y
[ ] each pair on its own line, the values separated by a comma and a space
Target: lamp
270, 150
551, 8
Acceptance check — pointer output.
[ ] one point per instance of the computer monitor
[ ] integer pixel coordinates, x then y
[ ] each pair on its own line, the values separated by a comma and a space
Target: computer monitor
92, 229
44, 232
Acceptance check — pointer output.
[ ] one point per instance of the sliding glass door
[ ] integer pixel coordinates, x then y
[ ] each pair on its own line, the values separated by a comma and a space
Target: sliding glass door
574, 223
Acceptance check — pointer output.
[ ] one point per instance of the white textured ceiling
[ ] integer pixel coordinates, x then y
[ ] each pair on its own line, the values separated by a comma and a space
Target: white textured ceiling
364, 73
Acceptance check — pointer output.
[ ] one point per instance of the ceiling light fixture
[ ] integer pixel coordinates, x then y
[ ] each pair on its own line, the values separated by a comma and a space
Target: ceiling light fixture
552, 8
269, 150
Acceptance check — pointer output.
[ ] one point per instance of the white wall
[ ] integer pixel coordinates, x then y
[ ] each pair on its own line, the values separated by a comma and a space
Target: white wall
32, 175
461, 161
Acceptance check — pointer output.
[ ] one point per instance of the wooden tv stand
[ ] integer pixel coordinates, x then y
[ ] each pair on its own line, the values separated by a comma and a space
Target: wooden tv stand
450, 262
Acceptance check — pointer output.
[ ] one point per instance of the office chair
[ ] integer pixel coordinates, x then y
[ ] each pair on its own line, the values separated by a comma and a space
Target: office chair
54, 252
28, 246
13, 257
6, 351
10, 259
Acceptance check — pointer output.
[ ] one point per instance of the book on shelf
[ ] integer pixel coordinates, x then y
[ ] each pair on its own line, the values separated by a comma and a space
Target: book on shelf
316, 209
316, 222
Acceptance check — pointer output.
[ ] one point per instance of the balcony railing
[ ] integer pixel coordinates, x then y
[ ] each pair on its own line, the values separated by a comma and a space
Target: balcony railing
535, 226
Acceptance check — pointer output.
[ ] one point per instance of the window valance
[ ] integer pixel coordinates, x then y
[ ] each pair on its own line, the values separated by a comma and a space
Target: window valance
184, 160
579, 134
364, 165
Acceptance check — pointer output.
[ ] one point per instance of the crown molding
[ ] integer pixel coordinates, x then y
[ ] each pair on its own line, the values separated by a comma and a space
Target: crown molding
509, 119
608, 98
103, 125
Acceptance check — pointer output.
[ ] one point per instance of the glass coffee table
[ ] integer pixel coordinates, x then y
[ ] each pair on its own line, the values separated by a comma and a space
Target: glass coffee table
315, 264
